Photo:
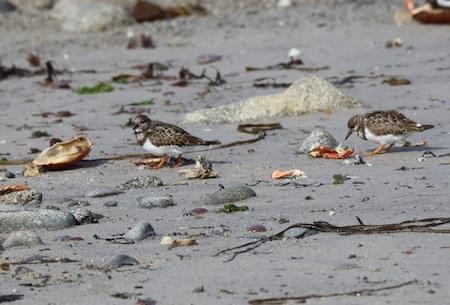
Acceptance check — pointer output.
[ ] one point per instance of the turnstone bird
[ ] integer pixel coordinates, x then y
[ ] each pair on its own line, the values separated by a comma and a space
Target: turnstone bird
164, 139
383, 127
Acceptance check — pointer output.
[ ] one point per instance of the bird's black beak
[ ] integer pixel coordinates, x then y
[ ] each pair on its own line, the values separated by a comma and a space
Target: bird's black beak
349, 134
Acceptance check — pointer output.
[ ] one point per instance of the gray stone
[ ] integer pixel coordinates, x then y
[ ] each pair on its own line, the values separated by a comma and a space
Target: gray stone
84, 216
307, 95
318, 137
30, 197
22, 238
102, 192
299, 233
355, 160
111, 204
7, 7
121, 260
229, 195
39, 219
149, 202
142, 183
89, 16
140, 231
44, 4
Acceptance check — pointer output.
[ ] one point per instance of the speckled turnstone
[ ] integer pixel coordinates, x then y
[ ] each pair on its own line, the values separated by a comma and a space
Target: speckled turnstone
383, 127
164, 139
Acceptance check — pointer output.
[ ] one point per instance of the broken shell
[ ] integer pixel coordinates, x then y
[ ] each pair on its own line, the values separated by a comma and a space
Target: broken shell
15, 187
183, 242
166, 240
427, 14
64, 154
279, 174
331, 153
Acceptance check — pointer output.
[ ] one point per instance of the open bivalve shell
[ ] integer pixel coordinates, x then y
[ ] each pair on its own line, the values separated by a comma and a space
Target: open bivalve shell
64, 154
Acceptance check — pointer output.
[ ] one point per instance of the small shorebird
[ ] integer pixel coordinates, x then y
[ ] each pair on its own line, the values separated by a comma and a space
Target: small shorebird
383, 127
164, 139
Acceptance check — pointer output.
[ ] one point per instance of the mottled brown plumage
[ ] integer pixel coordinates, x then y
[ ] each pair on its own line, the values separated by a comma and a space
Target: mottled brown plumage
164, 139
383, 127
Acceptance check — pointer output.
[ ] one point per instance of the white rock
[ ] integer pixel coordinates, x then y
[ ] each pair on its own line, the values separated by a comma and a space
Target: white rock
307, 95
89, 15
166, 241
284, 3
294, 53
22, 238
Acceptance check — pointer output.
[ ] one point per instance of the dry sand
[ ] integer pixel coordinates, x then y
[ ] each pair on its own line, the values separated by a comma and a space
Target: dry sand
344, 35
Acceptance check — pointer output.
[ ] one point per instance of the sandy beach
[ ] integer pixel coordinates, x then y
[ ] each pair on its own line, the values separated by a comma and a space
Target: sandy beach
337, 39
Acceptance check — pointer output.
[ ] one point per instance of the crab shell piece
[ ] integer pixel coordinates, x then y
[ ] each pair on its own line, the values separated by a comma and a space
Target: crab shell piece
330, 153
64, 154
428, 14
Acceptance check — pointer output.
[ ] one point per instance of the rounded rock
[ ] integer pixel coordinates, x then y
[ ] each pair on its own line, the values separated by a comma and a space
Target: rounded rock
229, 195
22, 238
121, 260
30, 197
149, 202
39, 219
111, 204
140, 231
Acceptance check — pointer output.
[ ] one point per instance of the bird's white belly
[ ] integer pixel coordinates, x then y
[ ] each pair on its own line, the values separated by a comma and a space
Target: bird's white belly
170, 150
384, 139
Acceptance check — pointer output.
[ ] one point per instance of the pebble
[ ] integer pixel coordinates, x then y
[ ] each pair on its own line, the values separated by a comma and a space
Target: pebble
199, 211
140, 231
25, 273
7, 7
39, 219
149, 202
166, 241
69, 203
318, 137
89, 16
111, 204
299, 233
220, 232
257, 229
142, 182
102, 192
231, 194
22, 238
85, 216
30, 197
121, 260
10, 175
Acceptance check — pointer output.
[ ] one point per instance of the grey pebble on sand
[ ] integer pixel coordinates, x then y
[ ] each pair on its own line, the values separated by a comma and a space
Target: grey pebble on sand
142, 182
22, 238
140, 231
318, 137
120, 261
6, 6
84, 216
39, 219
111, 204
231, 194
149, 202
30, 197
102, 192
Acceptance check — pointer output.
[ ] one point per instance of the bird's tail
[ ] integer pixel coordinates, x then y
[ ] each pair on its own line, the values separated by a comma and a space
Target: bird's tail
215, 142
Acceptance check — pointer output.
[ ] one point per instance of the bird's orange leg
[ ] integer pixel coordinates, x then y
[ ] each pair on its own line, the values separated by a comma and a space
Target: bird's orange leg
380, 150
179, 161
161, 163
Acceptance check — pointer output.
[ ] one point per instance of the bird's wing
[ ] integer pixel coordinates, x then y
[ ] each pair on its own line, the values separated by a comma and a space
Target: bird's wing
161, 134
389, 122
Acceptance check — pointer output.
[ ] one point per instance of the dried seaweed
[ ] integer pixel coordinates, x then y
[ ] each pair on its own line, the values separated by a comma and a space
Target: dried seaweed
42, 259
417, 226
303, 299
10, 297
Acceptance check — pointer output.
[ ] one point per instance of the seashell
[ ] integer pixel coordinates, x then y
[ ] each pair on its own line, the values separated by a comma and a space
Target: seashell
14, 187
427, 14
64, 154
279, 174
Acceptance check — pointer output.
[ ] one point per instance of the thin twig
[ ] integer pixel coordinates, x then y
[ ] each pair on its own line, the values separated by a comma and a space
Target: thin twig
416, 226
302, 299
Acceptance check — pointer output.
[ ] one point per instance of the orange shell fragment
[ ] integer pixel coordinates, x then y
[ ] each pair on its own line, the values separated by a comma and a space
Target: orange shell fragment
427, 14
64, 154
330, 153
280, 174
15, 187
